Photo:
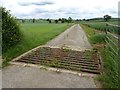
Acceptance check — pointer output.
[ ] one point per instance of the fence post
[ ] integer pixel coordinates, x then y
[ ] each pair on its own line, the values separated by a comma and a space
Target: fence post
106, 28
106, 25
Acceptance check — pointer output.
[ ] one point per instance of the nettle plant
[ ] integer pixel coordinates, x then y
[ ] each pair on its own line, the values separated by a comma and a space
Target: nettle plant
11, 34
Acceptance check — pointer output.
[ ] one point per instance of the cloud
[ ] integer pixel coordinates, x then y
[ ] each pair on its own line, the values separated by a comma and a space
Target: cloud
35, 3
42, 3
37, 11
23, 4
61, 8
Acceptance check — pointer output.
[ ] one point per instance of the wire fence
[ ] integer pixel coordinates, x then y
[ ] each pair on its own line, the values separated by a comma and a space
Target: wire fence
112, 42
112, 38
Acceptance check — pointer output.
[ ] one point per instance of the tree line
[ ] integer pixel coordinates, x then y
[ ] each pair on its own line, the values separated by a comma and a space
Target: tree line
64, 20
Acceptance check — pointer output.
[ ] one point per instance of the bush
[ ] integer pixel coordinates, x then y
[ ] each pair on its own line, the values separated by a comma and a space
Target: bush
10, 30
97, 38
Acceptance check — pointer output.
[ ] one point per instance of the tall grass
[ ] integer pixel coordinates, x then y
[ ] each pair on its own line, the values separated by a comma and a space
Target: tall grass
110, 76
93, 35
34, 34
97, 39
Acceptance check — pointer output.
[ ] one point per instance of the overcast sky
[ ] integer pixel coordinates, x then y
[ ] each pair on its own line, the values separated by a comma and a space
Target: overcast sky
77, 9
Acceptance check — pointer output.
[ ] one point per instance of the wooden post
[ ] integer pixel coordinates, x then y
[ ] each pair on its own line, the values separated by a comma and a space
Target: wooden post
106, 28
105, 33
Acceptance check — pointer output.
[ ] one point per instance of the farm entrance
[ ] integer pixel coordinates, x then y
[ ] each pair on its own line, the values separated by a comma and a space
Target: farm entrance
87, 61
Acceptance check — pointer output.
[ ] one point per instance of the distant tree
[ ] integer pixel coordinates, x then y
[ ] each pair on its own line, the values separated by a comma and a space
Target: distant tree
62, 20
69, 20
23, 20
33, 20
107, 17
87, 19
77, 19
56, 21
66, 20
50, 21
59, 19
84, 19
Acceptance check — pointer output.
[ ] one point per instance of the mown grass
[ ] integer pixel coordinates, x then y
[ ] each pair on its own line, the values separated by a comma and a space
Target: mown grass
110, 76
34, 34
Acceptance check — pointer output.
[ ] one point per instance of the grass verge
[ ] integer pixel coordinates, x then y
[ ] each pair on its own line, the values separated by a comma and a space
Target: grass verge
94, 36
110, 76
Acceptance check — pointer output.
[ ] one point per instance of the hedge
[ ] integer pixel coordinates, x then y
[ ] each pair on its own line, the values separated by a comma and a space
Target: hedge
11, 34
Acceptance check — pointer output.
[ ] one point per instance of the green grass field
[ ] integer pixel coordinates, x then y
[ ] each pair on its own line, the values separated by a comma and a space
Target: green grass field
34, 34
102, 25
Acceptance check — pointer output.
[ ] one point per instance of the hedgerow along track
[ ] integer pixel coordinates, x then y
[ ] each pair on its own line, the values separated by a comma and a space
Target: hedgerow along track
86, 61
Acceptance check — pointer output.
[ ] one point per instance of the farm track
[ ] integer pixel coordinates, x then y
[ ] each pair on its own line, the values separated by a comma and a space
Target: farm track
72, 38
66, 51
